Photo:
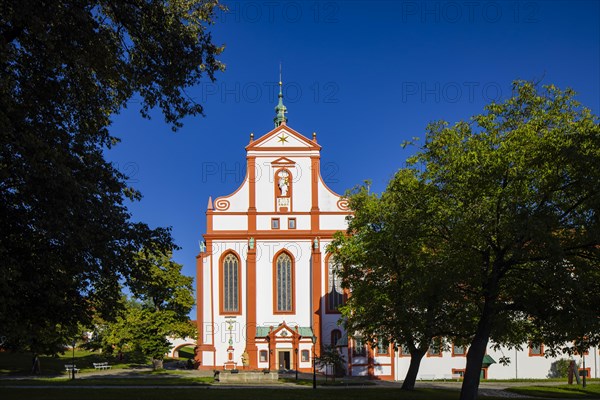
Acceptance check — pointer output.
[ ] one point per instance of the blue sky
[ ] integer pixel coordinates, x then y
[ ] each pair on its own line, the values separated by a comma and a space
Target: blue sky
364, 75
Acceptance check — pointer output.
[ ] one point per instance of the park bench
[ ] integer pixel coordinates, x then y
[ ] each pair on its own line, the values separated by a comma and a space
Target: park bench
454, 377
71, 367
427, 377
102, 365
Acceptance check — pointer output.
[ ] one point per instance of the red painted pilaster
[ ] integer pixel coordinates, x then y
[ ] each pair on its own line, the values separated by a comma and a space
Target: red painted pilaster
251, 306
316, 294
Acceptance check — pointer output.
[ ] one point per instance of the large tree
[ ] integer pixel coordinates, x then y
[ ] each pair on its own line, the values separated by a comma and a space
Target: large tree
67, 242
498, 217
521, 191
403, 289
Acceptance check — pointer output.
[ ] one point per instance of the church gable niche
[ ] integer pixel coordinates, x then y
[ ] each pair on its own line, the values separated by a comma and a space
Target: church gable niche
283, 181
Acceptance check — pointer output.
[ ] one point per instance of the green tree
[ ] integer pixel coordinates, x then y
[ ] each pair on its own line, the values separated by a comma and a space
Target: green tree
66, 67
158, 310
520, 186
559, 368
397, 270
491, 234
331, 357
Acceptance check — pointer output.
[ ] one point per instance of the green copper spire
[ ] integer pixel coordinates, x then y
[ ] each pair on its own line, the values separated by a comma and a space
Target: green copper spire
280, 109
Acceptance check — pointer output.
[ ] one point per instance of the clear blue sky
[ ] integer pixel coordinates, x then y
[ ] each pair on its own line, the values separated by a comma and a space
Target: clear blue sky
364, 75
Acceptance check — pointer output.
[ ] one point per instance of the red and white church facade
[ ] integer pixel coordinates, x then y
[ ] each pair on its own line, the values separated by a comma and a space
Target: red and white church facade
265, 284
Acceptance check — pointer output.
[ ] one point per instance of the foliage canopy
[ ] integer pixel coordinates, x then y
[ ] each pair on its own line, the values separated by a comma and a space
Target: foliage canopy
515, 195
66, 67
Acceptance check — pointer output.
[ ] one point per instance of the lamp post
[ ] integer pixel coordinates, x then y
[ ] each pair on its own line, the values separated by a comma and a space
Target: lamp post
314, 341
296, 359
584, 370
73, 365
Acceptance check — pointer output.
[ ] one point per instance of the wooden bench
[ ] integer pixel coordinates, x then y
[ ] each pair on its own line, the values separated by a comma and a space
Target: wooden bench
102, 365
71, 367
426, 377
454, 377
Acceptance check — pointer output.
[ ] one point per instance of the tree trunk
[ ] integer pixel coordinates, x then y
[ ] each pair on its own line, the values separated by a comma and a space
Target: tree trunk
413, 370
477, 350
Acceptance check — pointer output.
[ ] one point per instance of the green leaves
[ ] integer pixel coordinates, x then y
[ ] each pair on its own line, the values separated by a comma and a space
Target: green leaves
162, 300
492, 232
67, 242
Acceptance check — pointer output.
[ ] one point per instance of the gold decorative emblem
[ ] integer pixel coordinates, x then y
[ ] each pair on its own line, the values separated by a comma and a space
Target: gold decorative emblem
283, 138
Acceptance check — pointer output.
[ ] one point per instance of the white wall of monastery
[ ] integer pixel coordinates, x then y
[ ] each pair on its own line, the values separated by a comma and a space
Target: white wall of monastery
521, 366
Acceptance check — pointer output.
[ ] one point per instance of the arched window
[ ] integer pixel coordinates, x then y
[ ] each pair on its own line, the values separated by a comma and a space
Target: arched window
284, 284
335, 293
230, 288
335, 336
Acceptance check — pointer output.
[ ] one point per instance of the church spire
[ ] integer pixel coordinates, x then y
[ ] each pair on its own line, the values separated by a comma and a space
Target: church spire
280, 109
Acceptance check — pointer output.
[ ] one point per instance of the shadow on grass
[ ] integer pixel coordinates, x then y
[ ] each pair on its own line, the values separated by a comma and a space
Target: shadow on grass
233, 394
563, 391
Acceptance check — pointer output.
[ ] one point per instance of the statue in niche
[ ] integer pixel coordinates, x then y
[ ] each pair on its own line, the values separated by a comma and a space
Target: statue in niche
283, 183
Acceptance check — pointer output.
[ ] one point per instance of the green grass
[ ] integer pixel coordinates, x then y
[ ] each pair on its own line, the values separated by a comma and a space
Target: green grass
590, 380
111, 381
592, 391
20, 363
230, 394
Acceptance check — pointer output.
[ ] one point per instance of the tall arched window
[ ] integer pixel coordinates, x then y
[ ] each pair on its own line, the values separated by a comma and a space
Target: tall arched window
335, 293
230, 288
284, 296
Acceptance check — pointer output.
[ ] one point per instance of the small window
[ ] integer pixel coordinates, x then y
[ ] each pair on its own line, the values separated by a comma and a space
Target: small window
335, 336
292, 223
359, 349
536, 349
274, 223
404, 351
263, 356
458, 350
382, 346
305, 356
435, 349
458, 373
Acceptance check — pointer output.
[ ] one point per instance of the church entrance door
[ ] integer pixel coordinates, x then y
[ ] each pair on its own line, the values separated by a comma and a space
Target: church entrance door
284, 360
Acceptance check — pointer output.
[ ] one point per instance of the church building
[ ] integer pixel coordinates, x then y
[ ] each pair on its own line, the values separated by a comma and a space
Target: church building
266, 286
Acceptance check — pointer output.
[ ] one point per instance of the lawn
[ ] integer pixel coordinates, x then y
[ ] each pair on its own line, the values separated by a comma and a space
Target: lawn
110, 381
592, 391
20, 363
230, 394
